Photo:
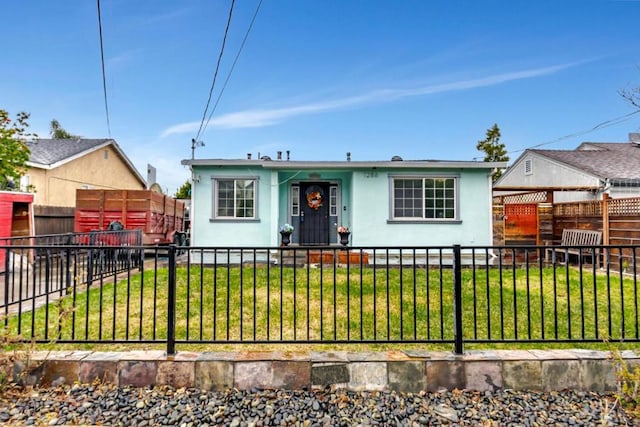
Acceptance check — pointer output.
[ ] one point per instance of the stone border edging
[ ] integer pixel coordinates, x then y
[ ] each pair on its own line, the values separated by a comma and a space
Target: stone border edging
404, 371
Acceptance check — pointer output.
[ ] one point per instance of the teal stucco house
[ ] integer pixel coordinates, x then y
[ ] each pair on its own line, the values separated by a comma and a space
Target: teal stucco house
245, 202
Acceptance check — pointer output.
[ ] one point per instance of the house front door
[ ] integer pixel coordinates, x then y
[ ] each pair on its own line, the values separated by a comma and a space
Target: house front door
314, 213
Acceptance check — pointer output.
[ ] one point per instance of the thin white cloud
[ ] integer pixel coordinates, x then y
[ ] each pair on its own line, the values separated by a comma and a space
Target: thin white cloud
267, 117
169, 16
121, 60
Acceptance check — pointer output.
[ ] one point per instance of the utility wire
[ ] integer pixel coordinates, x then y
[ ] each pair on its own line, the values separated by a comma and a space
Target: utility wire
605, 124
244, 40
215, 74
104, 77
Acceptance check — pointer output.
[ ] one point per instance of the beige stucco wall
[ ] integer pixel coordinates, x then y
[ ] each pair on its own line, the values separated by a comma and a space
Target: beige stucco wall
101, 169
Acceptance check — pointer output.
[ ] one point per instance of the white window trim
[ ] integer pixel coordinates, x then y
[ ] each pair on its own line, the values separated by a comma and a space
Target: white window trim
25, 182
334, 206
455, 219
293, 197
214, 197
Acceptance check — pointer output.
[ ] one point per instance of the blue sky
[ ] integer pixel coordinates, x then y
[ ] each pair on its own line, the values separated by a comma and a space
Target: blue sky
419, 79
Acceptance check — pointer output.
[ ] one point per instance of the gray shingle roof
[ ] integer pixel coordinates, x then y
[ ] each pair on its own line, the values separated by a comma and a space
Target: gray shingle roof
607, 160
51, 151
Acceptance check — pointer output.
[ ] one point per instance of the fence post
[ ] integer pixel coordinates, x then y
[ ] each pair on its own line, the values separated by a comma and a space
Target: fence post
605, 219
6, 285
457, 299
90, 262
171, 302
606, 227
67, 277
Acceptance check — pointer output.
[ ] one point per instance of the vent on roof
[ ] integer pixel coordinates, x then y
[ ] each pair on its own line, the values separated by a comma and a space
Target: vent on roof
265, 158
396, 159
528, 167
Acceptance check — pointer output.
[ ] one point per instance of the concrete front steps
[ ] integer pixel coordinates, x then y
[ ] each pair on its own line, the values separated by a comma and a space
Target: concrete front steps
325, 257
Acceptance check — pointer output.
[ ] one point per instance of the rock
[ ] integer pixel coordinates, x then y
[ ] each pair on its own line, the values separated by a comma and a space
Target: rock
129, 406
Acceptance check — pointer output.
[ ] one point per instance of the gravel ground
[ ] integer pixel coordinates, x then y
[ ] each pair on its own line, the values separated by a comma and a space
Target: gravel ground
164, 406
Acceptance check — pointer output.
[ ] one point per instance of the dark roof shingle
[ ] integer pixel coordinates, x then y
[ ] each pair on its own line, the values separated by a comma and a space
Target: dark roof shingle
608, 160
51, 151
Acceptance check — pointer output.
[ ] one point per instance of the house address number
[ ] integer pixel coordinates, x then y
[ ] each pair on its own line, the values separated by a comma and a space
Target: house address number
371, 175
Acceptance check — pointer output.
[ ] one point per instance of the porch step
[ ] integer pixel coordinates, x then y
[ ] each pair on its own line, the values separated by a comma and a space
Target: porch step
316, 257
299, 257
290, 258
320, 257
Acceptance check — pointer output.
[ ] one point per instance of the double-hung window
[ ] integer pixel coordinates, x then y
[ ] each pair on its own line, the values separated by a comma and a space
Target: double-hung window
234, 198
424, 198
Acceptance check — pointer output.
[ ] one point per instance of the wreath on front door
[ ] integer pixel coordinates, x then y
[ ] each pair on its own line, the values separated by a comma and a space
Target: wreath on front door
314, 199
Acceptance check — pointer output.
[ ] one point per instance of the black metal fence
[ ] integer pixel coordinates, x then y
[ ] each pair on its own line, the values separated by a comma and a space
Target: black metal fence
92, 238
428, 295
35, 269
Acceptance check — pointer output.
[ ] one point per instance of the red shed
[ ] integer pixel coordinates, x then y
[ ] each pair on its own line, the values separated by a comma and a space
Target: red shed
16, 218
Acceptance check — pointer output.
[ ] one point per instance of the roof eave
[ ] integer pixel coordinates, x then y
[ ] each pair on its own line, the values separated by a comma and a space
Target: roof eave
405, 164
71, 158
129, 163
93, 149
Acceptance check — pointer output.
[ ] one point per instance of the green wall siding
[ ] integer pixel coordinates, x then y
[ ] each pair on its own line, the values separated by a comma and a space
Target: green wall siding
370, 211
206, 232
364, 208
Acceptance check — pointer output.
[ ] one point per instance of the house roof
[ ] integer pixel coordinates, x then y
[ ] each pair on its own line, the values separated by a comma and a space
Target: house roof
49, 152
606, 160
53, 153
288, 164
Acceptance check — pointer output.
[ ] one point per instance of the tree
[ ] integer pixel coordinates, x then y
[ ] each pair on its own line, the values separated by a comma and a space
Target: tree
184, 192
58, 132
632, 95
14, 152
493, 149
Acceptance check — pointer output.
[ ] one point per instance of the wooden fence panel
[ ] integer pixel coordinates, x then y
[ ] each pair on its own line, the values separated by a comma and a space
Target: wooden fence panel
521, 224
624, 229
519, 220
583, 215
513, 224
623, 222
53, 219
545, 223
498, 224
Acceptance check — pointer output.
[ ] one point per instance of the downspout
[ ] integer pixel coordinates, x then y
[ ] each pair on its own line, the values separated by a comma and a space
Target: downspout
606, 187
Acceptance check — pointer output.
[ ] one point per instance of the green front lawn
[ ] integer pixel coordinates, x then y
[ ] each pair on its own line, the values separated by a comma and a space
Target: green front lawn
271, 304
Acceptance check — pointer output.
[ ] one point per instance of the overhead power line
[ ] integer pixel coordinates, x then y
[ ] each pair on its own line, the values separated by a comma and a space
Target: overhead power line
605, 124
104, 76
215, 74
244, 40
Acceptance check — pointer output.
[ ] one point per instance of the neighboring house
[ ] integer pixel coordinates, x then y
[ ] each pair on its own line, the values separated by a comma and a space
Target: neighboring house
586, 173
57, 167
244, 202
